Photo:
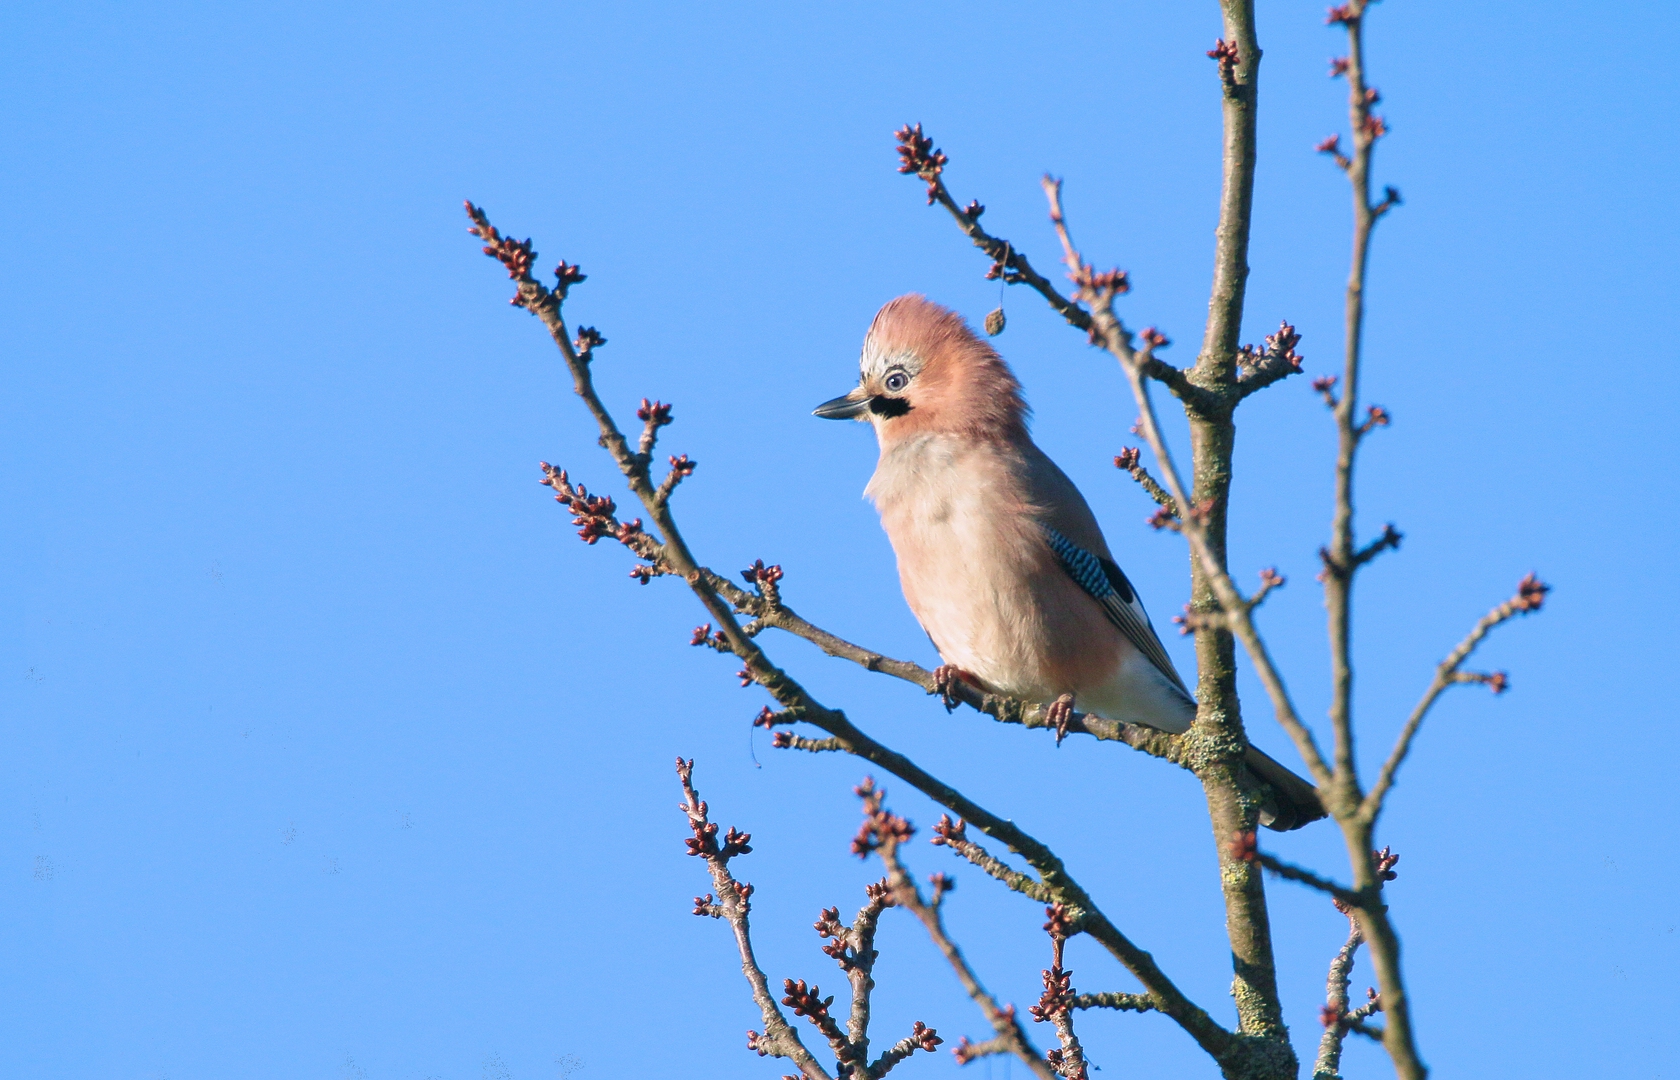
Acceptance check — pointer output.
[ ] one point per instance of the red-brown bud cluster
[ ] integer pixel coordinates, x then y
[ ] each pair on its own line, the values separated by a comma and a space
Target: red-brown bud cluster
1325, 386
1281, 345
592, 513
1342, 13
565, 276
704, 841
758, 1044
917, 155
948, 832
705, 905
516, 255
654, 412
806, 1001
682, 466
1127, 458
828, 923
881, 828
717, 640
1162, 518
587, 341
759, 574
745, 675
966, 1051
1384, 861
1531, 593
926, 1038
782, 740
1244, 848
1338, 66
765, 718
1226, 54
1058, 923
1497, 681
1153, 338
1331, 145
942, 884
1057, 997
1373, 127
1100, 282
1329, 1016
1375, 417
973, 210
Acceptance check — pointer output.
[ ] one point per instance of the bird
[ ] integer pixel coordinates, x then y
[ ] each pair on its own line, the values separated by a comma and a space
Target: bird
999, 556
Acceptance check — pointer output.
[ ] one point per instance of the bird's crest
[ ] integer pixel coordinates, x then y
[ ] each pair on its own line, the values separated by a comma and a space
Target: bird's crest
962, 385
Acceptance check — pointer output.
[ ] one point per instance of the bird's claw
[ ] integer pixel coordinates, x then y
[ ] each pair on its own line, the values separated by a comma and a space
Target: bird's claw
1059, 713
945, 678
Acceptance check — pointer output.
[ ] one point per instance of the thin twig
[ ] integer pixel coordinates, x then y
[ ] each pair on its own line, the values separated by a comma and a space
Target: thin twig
954, 835
1530, 595
918, 156
779, 1038
1113, 999
1005, 1024
1329, 1062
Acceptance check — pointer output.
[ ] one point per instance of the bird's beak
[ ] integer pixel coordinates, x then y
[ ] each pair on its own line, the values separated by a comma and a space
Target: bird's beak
847, 407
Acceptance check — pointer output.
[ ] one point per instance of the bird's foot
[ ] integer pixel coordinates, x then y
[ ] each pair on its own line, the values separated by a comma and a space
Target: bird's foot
945, 678
1058, 713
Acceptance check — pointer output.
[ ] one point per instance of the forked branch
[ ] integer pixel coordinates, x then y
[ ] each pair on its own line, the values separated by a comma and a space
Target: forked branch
733, 904
1530, 595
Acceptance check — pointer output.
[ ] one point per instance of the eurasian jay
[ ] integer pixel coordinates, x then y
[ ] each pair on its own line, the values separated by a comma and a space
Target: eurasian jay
999, 557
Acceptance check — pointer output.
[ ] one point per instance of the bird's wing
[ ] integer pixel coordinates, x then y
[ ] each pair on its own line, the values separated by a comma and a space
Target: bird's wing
1104, 582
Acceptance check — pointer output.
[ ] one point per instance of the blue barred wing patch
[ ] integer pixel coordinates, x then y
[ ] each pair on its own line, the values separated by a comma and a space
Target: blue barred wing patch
1104, 582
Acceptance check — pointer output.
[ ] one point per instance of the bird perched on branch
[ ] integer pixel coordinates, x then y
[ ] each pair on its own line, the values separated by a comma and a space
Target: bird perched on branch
999, 556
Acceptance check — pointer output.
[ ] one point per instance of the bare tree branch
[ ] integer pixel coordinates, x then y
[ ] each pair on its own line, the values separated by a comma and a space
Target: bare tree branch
1329, 1062
1127, 459
885, 832
1055, 1005
1112, 1000
853, 948
1009, 710
917, 155
1530, 595
779, 1038
954, 835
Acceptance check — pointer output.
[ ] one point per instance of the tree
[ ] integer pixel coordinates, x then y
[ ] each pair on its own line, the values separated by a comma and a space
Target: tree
1220, 615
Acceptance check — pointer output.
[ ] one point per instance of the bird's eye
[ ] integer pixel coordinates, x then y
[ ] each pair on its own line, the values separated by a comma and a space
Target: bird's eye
897, 381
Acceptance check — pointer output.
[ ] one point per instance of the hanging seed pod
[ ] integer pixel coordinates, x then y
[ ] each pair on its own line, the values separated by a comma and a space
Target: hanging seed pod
995, 322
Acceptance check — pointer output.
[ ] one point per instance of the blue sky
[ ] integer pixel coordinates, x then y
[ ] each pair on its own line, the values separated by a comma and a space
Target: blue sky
329, 752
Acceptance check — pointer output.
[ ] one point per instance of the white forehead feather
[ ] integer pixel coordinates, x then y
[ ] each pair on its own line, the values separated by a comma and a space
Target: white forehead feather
879, 358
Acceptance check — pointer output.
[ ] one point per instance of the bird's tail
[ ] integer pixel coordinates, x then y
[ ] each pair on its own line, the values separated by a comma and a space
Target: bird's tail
1293, 801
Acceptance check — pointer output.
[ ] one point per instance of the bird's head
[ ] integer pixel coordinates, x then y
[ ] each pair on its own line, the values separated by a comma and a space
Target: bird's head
923, 371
